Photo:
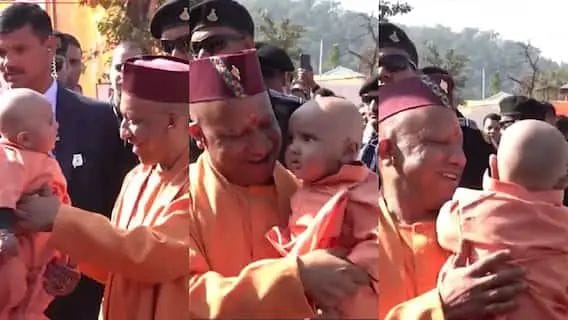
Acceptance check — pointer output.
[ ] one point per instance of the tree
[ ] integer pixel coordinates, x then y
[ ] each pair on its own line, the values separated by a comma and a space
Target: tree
388, 9
333, 58
283, 34
126, 20
495, 83
368, 55
452, 61
527, 83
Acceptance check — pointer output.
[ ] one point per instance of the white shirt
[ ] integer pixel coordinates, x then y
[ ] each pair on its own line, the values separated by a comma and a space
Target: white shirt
51, 96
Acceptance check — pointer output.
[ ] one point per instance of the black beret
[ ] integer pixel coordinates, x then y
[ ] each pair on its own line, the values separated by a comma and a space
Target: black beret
532, 109
172, 13
273, 57
220, 13
509, 105
371, 85
391, 36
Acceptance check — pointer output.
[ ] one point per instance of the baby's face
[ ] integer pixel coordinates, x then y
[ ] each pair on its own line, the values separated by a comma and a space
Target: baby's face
315, 150
42, 128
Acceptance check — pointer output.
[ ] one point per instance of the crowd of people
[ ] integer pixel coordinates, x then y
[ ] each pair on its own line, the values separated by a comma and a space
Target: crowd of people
221, 182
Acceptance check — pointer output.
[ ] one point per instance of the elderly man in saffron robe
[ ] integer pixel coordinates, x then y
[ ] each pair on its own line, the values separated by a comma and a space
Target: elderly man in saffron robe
141, 255
420, 160
238, 192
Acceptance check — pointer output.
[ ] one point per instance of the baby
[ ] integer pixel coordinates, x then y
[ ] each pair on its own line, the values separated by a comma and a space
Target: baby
29, 273
520, 209
336, 205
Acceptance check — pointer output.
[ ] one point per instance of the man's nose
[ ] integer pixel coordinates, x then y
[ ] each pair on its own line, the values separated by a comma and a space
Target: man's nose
260, 145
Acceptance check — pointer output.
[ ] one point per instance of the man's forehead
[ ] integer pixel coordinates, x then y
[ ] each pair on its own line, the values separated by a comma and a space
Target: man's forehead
207, 32
392, 51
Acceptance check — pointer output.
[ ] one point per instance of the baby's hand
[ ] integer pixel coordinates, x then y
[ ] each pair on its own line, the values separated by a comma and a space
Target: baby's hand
8, 244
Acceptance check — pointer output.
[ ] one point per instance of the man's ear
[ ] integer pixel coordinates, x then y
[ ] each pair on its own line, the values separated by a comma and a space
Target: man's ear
196, 133
386, 151
51, 43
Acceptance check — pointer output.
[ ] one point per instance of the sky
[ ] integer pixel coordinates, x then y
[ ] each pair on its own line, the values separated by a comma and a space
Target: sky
362, 5
541, 22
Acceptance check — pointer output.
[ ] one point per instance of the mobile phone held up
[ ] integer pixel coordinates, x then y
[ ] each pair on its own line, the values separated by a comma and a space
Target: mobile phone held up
305, 62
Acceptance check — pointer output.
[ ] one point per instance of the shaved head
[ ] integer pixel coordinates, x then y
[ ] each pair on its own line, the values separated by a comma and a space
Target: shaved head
26, 119
532, 154
337, 116
17, 110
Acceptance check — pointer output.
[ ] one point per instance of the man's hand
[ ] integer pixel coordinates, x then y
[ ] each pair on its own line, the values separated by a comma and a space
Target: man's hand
328, 277
488, 287
36, 213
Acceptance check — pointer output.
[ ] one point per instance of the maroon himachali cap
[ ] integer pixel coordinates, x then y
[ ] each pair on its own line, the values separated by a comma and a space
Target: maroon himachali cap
225, 77
156, 78
415, 92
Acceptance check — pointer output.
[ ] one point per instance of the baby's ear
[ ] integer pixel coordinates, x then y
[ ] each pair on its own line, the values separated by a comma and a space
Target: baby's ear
350, 151
24, 139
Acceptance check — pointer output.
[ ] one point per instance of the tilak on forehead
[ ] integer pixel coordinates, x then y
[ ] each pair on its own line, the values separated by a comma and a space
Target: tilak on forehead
156, 78
415, 92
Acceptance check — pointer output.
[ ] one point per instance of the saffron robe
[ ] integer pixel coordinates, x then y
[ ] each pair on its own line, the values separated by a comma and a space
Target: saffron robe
532, 225
235, 272
22, 294
339, 210
142, 254
409, 261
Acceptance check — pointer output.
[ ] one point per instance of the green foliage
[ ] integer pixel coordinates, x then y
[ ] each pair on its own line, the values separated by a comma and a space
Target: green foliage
388, 9
495, 84
322, 20
452, 61
283, 34
332, 58
119, 24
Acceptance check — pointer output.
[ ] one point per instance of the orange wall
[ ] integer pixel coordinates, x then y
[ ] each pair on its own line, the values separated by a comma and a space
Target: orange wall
80, 21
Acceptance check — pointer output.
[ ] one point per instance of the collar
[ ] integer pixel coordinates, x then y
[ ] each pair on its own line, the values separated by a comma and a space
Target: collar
554, 197
51, 95
349, 173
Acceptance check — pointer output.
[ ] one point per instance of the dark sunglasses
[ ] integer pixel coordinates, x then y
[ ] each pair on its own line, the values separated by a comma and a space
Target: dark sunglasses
119, 67
396, 63
214, 44
181, 43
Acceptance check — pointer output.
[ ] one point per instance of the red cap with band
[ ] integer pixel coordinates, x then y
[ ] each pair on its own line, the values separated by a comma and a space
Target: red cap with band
414, 92
225, 77
156, 78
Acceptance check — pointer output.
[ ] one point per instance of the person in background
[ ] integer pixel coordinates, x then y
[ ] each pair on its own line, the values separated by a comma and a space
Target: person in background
299, 89
508, 110
225, 26
492, 129
169, 24
562, 125
550, 113
369, 96
73, 54
88, 147
324, 92
123, 51
276, 66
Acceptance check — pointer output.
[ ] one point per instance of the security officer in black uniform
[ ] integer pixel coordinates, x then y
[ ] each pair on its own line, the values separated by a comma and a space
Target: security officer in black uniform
398, 59
225, 26
170, 24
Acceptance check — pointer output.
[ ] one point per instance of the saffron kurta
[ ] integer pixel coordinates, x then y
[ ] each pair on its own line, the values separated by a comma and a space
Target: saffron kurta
142, 254
339, 210
22, 295
235, 272
409, 262
532, 225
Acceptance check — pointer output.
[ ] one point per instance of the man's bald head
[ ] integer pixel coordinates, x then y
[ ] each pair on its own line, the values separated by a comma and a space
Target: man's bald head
532, 154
